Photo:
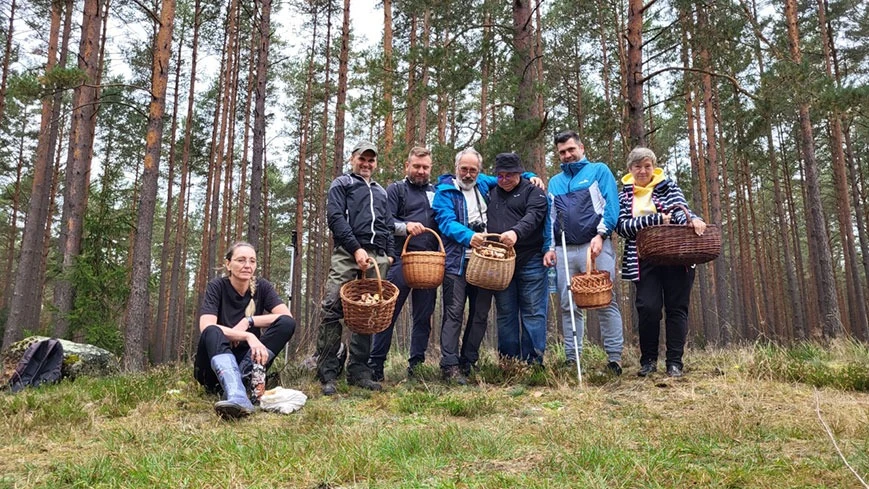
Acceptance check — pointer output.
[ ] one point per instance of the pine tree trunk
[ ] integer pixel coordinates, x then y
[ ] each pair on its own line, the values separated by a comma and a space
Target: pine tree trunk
259, 124
634, 39
485, 67
338, 158
389, 80
159, 338
13, 220
177, 293
7, 57
720, 266
305, 128
410, 120
84, 114
137, 316
241, 205
827, 301
525, 72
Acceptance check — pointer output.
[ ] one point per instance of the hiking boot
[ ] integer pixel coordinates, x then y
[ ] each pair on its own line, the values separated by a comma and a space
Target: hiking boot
614, 368
674, 371
328, 388
646, 369
454, 375
366, 384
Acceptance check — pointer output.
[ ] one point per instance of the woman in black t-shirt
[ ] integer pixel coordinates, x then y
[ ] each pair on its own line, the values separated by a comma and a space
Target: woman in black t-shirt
242, 322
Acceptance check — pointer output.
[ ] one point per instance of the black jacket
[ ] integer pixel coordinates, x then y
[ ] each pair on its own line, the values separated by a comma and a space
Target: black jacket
524, 210
359, 216
412, 203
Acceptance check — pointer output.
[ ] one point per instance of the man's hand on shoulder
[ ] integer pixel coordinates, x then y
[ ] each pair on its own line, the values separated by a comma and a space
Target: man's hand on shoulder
538, 182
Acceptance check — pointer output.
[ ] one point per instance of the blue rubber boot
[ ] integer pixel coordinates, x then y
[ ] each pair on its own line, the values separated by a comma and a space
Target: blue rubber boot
236, 404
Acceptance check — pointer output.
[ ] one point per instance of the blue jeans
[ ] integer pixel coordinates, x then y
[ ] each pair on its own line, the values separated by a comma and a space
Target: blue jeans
522, 308
610, 316
423, 302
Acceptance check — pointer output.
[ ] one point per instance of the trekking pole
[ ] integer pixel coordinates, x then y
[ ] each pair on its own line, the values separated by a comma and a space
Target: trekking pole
572, 309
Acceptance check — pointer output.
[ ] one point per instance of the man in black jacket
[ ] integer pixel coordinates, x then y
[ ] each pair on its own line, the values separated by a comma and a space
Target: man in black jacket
361, 226
518, 211
410, 204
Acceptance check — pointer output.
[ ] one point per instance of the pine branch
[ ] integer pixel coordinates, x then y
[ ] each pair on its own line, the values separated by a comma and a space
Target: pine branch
730, 78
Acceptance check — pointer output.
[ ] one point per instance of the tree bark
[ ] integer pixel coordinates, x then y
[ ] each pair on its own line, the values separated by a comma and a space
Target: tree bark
7, 56
84, 114
137, 316
636, 126
338, 155
388, 80
259, 125
827, 302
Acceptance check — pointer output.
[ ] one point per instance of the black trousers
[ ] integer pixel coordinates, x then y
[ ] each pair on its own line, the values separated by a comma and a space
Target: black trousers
213, 342
667, 288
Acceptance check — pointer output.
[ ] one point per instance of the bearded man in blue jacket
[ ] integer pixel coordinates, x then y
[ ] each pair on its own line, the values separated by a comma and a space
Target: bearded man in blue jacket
585, 207
460, 206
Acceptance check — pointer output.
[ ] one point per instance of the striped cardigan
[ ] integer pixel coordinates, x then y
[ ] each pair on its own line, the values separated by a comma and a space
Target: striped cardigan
664, 195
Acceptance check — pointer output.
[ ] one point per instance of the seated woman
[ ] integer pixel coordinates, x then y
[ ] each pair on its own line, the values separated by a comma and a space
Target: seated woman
242, 321
646, 200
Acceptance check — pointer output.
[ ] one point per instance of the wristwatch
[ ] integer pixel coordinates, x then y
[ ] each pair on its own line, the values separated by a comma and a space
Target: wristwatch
249, 322
603, 235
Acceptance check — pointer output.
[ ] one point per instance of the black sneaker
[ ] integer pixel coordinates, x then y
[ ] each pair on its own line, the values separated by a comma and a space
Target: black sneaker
328, 388
674, 371
614, 368
646, 369
412, 371
454, 375
367, 384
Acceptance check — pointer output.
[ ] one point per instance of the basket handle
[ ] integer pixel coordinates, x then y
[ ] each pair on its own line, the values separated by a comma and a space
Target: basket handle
676, 207
486, 236
440, 243
589, 262
377, 272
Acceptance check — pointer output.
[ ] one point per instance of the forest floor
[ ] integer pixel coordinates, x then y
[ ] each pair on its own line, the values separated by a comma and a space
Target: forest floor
758, 417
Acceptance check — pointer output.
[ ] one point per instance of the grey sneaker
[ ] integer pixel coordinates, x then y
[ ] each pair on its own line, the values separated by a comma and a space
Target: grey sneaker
646, 369
674, 371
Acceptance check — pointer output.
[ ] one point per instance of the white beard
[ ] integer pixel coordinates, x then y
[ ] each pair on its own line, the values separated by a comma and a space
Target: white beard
462, 185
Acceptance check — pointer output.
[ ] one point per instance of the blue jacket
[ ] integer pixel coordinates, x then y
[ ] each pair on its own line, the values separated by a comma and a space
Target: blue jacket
451, 214
584, 202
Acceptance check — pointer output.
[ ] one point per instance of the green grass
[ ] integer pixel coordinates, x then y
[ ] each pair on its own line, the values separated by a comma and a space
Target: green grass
740, 418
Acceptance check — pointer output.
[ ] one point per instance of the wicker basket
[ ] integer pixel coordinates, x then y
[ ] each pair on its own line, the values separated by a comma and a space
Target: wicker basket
489, 272
364, 318
423, 269
592, 289
678, 244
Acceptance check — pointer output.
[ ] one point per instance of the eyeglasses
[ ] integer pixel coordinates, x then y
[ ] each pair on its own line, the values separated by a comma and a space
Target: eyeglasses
469, 170
505, 176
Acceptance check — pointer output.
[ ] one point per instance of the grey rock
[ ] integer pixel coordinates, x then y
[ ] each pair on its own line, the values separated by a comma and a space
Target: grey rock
78, 358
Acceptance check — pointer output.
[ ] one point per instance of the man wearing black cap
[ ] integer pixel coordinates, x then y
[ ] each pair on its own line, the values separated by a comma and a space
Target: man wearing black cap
362, 228
518, 211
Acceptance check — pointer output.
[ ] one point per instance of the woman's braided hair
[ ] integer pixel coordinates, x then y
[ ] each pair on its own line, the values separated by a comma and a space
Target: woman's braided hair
251, 306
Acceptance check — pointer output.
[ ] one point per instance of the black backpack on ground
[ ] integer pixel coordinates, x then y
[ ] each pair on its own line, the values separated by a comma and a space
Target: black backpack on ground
40, 364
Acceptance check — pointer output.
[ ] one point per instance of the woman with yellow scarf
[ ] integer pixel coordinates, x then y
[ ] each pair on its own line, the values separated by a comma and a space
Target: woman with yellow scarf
645, 200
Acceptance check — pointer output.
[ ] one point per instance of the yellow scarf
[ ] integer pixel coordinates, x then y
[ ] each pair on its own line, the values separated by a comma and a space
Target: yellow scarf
643, 204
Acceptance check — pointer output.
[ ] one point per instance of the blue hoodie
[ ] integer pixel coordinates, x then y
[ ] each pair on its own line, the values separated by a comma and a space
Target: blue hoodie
584, 202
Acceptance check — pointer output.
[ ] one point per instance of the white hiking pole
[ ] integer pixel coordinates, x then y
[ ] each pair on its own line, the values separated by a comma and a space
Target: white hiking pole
572, 310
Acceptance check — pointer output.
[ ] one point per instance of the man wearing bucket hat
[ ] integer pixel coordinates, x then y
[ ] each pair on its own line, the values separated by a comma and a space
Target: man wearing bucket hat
585, 207
410, 205
460, 205
362, 229
518, 211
